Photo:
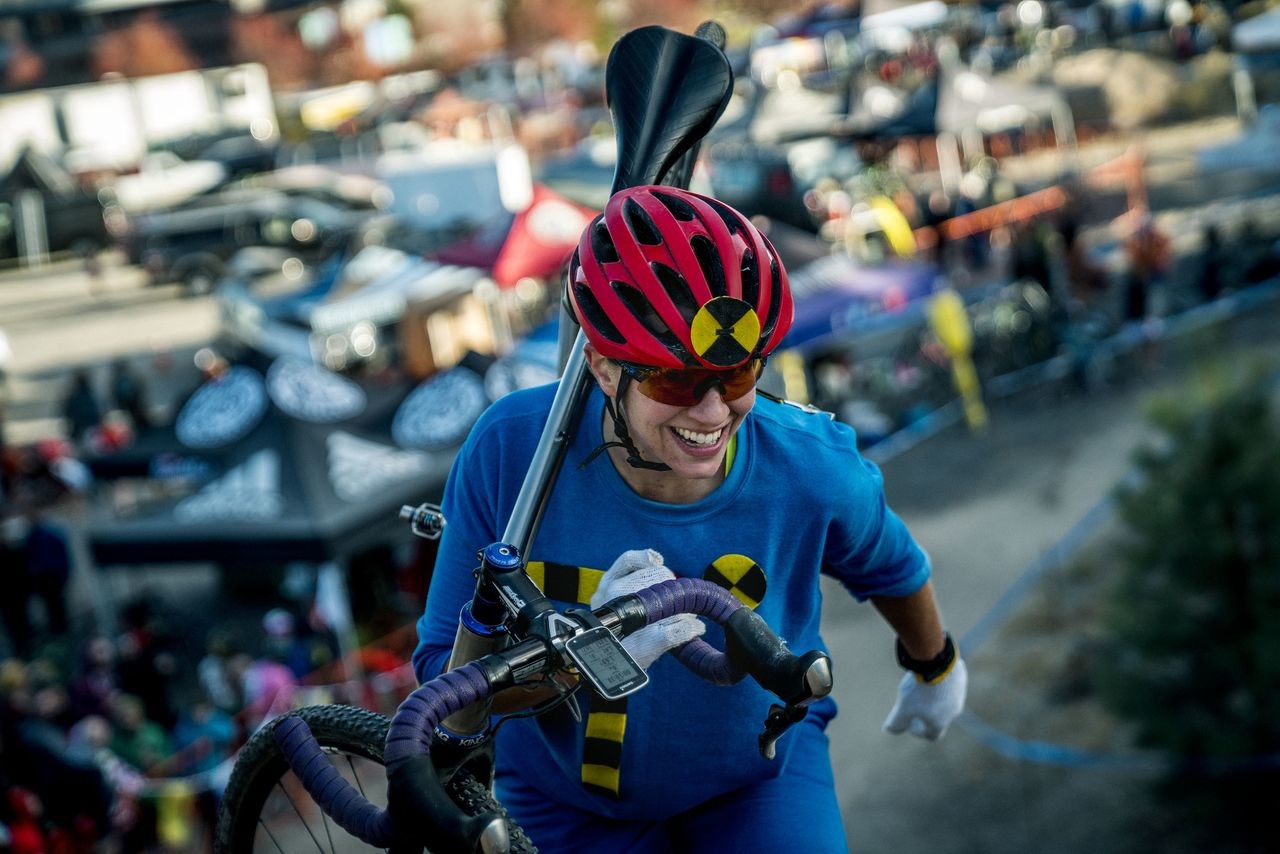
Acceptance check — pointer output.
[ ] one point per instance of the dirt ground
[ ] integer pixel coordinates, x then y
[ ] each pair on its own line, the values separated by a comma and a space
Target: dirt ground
1037, 764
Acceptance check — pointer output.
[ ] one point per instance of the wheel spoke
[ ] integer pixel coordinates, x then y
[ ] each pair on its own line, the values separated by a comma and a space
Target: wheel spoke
301, 819
324, 819
352, 765
261, 810
262, 822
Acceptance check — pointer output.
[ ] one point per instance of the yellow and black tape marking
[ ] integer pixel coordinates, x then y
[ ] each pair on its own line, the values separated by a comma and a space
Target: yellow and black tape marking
602, 749
725, 332
741, 576
563, 582
607, 721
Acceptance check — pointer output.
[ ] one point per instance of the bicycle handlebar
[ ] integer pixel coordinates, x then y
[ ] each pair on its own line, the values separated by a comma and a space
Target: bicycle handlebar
415, 787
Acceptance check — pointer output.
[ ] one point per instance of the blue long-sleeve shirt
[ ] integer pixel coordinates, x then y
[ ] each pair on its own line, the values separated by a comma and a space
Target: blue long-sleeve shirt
798, 500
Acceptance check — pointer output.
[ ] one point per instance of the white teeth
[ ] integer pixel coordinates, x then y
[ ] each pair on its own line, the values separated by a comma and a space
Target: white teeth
699, 438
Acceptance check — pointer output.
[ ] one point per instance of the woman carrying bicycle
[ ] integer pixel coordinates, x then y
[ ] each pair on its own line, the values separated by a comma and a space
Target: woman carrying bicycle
681, 468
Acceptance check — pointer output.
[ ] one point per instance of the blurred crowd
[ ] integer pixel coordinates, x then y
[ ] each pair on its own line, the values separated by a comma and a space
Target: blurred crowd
125, 741
122, 740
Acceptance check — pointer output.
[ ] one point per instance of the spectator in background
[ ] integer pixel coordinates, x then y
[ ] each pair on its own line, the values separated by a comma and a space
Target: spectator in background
13, 581
1212, 260
49, 569
303, 650
6, 356
22, 816
203, 737
139, 741
269, 686
128, 394
90, 741
1086, 280
217, 673
95, 687
80, 408
147, 662
142, 744
71, 789
1148, 253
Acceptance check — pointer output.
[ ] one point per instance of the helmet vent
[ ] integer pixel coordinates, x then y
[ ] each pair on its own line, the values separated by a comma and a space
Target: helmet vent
732, 220
775, 297
677, 289
602, 244
750, 278
644, 312
594, 314
641, 224
680, 209
709, 260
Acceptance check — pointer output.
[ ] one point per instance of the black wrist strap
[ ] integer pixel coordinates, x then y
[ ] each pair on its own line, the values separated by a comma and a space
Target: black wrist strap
935, 668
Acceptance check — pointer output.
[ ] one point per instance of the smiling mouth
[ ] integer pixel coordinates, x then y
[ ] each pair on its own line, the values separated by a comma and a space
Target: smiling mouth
696, 439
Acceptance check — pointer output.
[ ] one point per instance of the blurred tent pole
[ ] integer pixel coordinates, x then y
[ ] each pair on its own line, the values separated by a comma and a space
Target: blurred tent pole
333, 601
31, 232
950, 166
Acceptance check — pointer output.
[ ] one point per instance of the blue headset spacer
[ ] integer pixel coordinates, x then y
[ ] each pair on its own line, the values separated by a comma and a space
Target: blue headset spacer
501, 557
477, 626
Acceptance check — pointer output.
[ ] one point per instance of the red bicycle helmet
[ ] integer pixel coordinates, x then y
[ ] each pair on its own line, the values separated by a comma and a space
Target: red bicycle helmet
671, 279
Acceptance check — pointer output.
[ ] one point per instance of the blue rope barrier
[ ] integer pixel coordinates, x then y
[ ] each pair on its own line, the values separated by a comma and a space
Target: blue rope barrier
1043, 752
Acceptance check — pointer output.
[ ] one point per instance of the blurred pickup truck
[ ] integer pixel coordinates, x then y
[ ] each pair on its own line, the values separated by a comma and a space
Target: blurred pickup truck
38, 190
192, 244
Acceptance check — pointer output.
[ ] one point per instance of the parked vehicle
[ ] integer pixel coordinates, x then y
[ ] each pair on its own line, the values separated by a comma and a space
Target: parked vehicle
192, 244
165, 180
238, 151
347, 314
70, 216
775, 180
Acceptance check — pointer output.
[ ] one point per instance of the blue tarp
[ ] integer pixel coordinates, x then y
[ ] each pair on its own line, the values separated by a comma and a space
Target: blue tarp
836, 297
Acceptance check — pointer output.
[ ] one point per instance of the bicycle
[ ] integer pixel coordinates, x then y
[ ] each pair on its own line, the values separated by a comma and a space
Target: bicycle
437, 750
418, 753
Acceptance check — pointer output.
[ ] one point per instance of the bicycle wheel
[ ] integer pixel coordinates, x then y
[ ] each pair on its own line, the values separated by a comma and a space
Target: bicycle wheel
266, 809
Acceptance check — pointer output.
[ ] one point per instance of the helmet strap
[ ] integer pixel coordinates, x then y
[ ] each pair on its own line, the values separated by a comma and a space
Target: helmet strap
614, 407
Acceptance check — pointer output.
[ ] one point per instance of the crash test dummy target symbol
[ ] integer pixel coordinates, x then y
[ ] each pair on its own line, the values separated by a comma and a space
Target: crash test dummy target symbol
725, 332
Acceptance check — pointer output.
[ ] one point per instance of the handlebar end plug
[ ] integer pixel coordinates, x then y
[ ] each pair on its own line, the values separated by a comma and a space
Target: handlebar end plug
818, 680
495, 839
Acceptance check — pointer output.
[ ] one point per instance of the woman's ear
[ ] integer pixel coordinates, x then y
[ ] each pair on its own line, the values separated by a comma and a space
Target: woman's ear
604, 369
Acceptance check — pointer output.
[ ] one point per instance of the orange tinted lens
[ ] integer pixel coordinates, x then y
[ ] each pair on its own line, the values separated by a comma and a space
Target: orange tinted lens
686, 387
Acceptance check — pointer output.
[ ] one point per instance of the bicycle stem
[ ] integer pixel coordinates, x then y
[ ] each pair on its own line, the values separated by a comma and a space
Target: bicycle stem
503, 590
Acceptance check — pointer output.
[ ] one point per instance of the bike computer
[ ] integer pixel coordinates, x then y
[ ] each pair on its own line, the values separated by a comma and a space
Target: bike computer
606, 665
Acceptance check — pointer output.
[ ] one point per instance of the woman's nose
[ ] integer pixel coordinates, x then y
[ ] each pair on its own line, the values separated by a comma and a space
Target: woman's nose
712, 408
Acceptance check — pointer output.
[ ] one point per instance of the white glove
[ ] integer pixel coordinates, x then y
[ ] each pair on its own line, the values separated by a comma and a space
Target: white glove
636, 570
925, 710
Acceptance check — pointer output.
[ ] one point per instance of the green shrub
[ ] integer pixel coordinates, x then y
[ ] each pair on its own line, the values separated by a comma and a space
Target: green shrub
1193, 621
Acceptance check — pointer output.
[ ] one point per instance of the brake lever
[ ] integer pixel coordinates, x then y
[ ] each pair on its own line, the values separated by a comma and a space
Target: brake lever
780, 719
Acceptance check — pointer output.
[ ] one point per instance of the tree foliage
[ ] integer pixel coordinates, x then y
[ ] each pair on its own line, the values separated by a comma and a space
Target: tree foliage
1193, 620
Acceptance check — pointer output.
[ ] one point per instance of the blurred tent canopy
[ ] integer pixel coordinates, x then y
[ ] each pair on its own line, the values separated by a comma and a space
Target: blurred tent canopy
839, 300
286, 474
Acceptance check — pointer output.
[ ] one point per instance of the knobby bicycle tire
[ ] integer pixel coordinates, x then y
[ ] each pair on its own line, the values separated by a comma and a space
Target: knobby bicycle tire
348, 730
